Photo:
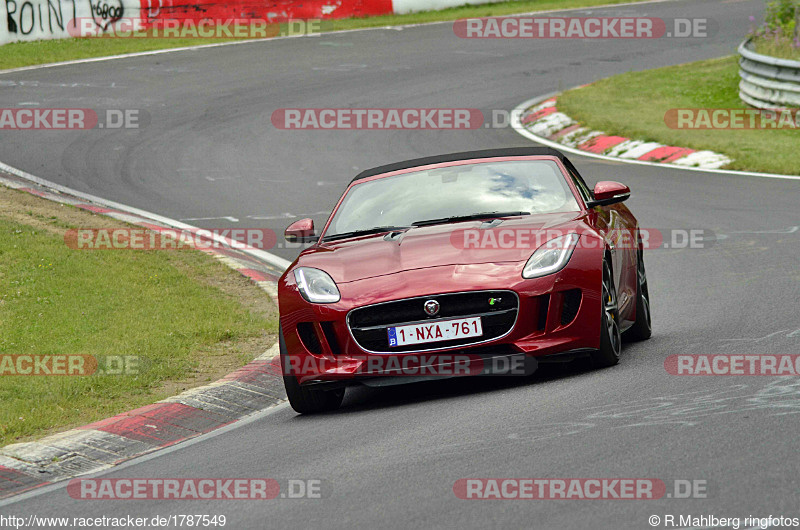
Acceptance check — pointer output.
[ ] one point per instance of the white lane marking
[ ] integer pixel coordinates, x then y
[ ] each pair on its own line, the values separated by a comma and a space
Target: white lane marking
480, 54
215, 179
198, 172
228, 218
759, 339
285, 215
42, 84
340, 68
516, 124
790, 230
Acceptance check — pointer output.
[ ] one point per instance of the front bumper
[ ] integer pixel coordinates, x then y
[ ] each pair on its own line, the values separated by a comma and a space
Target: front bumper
556, 314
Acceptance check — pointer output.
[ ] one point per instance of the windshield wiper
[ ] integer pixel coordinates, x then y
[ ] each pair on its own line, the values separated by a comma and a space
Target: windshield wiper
365, 232
457, 218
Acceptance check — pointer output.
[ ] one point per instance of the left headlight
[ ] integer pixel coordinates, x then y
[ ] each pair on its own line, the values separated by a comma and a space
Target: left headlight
316, 285
550, 257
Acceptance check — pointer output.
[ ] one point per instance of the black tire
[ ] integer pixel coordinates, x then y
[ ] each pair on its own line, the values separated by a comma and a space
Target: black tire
306, 400
610, 336
642, 328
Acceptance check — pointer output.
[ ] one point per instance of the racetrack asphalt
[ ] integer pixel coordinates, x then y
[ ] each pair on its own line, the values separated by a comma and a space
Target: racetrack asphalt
390, 457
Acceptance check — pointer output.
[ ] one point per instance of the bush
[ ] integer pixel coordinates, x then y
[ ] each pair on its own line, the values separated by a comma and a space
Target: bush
782, 15
779, 36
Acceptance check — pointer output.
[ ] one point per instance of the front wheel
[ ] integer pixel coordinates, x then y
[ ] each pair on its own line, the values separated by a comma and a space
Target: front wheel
642, 327
306, 400
610, 336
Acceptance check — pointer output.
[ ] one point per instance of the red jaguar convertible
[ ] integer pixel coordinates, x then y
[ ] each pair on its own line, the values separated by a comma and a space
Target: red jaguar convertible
461, 264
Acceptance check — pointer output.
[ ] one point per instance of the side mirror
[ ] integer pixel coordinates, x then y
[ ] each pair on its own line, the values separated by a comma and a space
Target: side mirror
608, 192
301, 231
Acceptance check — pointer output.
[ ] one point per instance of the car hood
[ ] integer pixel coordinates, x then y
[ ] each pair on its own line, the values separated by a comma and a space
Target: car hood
432, 246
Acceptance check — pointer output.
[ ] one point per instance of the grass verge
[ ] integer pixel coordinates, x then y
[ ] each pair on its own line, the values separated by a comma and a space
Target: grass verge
18, 54
185, 318
634, 104
782, 48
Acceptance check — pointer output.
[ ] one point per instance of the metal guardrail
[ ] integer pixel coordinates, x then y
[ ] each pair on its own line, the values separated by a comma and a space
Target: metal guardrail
767, 82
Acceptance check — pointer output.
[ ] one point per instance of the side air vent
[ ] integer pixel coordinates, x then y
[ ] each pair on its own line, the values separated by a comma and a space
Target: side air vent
330, 336
572, 302
544, 305
309, 337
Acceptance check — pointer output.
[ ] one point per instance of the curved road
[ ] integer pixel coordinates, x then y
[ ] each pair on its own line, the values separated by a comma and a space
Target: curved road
390, 457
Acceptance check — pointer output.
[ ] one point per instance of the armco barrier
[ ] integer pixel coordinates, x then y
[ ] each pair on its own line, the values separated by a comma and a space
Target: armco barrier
22, 20
768, 82
269, 10
25, 20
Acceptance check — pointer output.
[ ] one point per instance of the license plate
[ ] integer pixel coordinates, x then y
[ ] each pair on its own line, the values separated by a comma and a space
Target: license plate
460, 328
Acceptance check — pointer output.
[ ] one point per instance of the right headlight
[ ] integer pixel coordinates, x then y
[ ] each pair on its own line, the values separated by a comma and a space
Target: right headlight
550, 257
316, 285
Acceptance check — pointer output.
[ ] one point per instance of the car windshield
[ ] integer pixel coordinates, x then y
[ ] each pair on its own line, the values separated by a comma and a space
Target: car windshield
509, 187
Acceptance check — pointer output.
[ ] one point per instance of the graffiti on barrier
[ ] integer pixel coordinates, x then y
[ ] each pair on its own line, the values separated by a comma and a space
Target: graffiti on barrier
22, 20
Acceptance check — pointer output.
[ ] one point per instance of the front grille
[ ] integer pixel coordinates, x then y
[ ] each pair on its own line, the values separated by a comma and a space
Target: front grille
368, 324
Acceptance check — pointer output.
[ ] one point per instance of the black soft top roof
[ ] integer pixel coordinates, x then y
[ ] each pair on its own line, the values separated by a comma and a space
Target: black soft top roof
466, 155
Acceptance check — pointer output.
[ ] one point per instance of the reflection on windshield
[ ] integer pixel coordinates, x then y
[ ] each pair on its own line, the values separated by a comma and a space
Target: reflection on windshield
535, 186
